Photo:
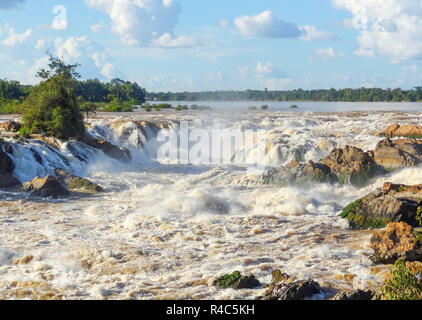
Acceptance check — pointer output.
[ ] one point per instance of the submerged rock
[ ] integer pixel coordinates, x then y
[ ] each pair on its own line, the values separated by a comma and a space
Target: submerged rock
46, 187
356, 295
391, 203
400, 240
237, 281
113, 151
394, 154
284, 287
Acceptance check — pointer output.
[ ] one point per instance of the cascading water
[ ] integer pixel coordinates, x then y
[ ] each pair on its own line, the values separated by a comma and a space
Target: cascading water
167, 230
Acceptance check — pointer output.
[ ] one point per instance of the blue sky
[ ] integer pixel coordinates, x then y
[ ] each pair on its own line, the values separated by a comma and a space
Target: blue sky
169, 45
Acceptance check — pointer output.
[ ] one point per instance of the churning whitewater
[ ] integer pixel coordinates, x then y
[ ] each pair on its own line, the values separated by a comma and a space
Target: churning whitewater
163, 230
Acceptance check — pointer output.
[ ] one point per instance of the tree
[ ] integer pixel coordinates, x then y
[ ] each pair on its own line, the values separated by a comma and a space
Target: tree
52, 106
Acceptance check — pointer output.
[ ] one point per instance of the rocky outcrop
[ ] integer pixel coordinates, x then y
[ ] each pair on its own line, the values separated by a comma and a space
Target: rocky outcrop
236, 281
345, 165
300, 174
284, 287
10, 126
400, 240
356, 295
113, 151
45, 187
73, 182
407, 131
394, 154
352, 164
7, 180
391, 203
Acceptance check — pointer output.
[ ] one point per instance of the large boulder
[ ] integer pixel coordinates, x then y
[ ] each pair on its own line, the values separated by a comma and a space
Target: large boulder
352, 164
113, 151
73, 182
347, 165
399, 240
391, 203
394, 154
46, 187
408, 131
300, 174
7, 180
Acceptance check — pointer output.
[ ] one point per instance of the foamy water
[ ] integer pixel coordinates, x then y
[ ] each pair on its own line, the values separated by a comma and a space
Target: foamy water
167, 231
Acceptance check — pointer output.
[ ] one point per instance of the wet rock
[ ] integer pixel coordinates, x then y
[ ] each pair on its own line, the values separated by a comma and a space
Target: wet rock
352, 164
400, 240
73, 182
356, 295
236, 281
408, 131
391, 203
46, 187
300, 174
7, 180
345, 165
298, 290
10, 126
284, 287
113, 151
394, 154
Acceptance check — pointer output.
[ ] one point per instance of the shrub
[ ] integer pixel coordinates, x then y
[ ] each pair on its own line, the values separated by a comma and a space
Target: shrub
52, 106
402, 286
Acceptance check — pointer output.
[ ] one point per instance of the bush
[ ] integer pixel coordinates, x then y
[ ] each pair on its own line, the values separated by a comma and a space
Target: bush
11, 107
402, 286
118, 106
52, 106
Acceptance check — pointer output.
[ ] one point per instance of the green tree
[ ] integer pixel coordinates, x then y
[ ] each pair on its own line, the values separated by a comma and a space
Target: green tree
52, 106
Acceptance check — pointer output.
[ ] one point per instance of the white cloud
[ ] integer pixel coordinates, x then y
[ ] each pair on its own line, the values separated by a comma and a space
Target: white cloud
266, 25
13, 39
310, 33
266, 74
167, 41
223, 23
326, 54
98, 27
9, 4
89, 54
143, 22
392, 28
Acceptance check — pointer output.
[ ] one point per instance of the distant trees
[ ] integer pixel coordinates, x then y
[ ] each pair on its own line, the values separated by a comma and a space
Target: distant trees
115, 90
344, 95
116, 95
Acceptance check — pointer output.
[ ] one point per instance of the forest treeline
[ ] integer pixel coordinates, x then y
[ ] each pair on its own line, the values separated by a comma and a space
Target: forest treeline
345, 95
116, 95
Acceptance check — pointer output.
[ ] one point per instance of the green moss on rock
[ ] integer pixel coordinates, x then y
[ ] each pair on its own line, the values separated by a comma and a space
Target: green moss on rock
358, 221
84, 184
236, 281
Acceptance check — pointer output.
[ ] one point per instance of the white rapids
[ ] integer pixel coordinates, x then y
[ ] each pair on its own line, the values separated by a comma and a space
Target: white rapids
165, 231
